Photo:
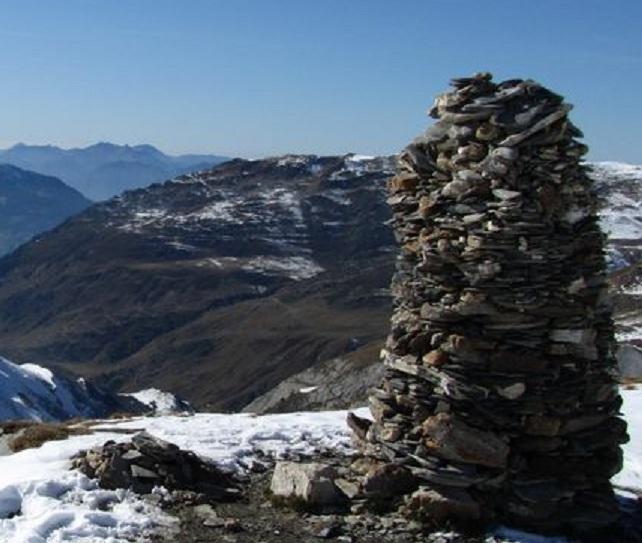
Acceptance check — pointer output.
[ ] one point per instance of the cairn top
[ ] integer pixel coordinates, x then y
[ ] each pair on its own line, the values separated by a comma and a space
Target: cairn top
514, 105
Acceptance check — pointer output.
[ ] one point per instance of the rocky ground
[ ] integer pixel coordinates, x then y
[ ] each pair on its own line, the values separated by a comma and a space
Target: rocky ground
291, 500
258, 518
275, 478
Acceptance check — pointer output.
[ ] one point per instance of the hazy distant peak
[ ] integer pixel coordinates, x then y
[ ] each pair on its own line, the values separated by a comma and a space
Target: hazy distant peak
105, 169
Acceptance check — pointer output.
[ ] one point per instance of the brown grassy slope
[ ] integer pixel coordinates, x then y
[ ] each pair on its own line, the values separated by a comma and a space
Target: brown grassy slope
228, 356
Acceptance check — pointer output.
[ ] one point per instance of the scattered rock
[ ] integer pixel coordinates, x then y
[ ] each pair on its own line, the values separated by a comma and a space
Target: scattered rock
325, 527
147, 462
442, 504
349, 488
388, 480
358, 425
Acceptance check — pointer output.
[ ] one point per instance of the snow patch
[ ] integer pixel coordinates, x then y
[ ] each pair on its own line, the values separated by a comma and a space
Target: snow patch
307, 390
41, 501
360, 165
222, 211
338, 196
41, 373
182, 246
621, 217
160, 402
360, 158
631, 475
35, 393
287, 201
294, 160
294, 267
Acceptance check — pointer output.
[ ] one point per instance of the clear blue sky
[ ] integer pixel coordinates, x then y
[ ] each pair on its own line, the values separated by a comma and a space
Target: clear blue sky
263, 77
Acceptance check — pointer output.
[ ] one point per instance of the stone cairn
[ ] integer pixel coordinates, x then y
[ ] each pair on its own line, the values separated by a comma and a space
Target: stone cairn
500, 393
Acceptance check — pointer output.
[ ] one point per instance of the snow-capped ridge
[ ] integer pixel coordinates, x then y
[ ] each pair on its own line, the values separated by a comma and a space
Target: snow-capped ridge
161, 402
32, 392
621, 186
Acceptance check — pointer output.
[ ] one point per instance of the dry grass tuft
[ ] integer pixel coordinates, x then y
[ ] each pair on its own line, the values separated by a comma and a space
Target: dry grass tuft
35, 434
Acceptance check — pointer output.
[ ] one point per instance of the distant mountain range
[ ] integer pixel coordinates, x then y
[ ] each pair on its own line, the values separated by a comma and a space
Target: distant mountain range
220, 285
31, 203
104, 170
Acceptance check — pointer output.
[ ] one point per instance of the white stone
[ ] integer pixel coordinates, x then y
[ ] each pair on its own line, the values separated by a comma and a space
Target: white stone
512, 392
572, 335
629, 359
311, 482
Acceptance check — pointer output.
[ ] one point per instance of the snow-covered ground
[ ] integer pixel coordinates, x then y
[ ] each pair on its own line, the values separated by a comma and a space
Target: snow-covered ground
621, 217
41, 501
631, 475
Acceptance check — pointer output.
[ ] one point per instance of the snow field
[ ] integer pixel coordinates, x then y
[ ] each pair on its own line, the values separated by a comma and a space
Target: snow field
41, 501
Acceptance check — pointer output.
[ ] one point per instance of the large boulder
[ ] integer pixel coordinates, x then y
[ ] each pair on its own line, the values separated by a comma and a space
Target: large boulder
310, 483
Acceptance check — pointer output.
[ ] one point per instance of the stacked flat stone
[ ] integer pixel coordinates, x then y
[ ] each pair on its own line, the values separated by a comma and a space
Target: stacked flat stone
500, 388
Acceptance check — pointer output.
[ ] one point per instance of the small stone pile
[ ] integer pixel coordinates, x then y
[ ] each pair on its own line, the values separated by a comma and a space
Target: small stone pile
147, 462
500, 392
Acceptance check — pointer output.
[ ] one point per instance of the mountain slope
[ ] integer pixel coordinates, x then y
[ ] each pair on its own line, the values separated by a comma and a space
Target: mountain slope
342, 382
103, 170
621, 188
219, 285
31, 392
31, 203
215, 286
